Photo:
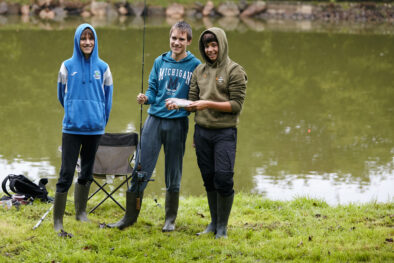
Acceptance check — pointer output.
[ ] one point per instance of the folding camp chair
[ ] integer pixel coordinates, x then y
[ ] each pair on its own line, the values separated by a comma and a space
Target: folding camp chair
113, 157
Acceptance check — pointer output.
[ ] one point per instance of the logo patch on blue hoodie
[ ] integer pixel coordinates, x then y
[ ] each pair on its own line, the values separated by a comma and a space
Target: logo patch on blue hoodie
97, 74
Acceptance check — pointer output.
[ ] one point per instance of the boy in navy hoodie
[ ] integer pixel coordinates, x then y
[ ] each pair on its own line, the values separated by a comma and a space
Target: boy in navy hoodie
84, 89
169, 78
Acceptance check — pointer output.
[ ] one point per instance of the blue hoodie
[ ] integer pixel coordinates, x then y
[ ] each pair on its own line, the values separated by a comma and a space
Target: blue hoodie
84, 89
170, 79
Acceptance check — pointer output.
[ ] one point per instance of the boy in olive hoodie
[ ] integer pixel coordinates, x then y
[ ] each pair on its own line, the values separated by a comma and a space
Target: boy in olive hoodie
217, 89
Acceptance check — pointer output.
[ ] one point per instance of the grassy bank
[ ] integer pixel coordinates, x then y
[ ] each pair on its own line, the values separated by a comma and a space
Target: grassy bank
260, 230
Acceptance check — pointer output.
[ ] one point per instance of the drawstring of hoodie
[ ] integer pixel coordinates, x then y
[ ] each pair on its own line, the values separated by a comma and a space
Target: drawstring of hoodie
83, 70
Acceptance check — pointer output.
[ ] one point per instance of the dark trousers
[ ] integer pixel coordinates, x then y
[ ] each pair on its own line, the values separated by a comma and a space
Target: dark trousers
171, 134
74, 145
215, 150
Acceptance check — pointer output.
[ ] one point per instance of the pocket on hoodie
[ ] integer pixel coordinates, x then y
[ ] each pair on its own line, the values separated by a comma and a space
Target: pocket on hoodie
85, 115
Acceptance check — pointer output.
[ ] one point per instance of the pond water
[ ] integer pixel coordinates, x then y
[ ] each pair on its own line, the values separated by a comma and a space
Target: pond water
317, 121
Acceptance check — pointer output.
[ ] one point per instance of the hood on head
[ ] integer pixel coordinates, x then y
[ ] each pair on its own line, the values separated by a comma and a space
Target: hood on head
222, 42
77, 37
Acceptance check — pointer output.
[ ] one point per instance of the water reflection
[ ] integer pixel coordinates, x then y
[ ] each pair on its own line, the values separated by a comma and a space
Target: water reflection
30, 168
334, 188
227, 23
317, 120
327, 189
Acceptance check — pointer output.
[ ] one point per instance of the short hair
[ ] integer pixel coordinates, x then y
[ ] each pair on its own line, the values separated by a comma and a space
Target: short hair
88, 31
183, 27
208, 37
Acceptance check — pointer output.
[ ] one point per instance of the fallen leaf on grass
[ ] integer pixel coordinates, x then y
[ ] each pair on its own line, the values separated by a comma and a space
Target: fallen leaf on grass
201, 214
157, 204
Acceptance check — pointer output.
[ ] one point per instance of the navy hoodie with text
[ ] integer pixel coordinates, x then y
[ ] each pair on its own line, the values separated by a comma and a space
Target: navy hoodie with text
85, 89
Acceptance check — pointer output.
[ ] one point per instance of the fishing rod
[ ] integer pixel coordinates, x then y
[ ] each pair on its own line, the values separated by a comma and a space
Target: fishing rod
141, 175
142, 75
42, 218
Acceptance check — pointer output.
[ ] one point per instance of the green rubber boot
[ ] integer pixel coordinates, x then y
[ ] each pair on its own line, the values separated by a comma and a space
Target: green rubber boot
133, 207
212, 202
59, 206
172, 203
224, 209
81, 194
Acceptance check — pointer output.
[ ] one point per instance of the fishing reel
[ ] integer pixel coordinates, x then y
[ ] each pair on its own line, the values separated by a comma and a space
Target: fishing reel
141, 177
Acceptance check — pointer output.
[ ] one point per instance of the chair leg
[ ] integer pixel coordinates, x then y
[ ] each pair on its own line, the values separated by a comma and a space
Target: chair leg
108, 195
59, 206
132, 211
172, 203
81, 194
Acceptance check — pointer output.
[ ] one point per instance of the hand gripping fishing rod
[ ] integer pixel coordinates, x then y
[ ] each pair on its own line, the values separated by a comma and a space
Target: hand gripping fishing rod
141, 176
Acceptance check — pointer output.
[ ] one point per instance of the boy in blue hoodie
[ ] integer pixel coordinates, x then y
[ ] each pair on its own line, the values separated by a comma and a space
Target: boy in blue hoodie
84, 90
169, 78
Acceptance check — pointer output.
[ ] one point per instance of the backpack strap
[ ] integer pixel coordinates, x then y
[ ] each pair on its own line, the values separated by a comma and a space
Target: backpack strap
3, 185
13, 179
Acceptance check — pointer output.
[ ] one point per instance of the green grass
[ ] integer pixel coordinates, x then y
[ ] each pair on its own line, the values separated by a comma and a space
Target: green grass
260, 230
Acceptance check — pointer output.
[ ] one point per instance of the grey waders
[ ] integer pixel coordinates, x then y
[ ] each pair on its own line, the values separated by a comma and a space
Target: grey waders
133, 207
81, 194
59, 206
223, 210
212, 202
172, 203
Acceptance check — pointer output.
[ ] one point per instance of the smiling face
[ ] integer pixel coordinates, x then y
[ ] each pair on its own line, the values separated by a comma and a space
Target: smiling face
86, 43
178, 44
212, 50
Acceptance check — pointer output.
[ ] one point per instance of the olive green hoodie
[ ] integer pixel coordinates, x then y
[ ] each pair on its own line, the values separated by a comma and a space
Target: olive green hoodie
223, 80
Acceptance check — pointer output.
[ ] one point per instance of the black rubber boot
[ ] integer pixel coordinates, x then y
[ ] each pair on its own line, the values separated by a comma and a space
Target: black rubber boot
172, 203
133, 207
212, 202
224, 209
59, 206
81, 193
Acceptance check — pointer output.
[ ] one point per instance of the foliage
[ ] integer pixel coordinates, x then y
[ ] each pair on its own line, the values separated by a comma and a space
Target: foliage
302, 230
165, 3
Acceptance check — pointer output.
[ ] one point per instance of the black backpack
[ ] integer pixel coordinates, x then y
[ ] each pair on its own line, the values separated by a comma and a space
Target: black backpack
19, 184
